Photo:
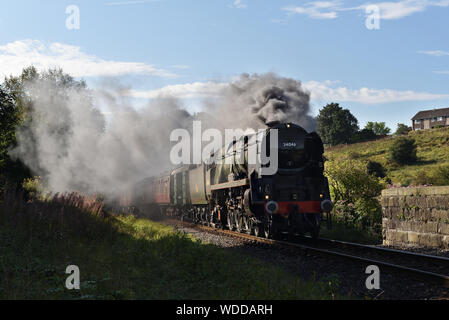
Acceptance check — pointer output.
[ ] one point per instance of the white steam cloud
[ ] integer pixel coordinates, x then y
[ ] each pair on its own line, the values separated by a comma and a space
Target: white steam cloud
69, 144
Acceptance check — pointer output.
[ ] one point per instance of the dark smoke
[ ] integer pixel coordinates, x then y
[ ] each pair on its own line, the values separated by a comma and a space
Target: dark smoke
256, 101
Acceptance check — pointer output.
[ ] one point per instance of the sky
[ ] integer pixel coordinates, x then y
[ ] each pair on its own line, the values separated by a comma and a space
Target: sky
382, 60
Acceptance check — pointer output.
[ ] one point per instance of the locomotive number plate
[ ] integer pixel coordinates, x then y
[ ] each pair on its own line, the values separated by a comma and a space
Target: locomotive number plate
289, 144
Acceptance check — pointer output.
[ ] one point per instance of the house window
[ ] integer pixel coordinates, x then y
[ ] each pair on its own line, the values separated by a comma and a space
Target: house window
440, 118
417, 121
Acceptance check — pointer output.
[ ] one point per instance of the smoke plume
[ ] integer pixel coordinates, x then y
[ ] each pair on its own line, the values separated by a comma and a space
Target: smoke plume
255, 101
75, 147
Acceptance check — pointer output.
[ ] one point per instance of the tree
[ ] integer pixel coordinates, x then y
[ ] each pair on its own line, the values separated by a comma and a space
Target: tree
364, 135
379, 128
336, 125
403, 151
16, 111
402, 129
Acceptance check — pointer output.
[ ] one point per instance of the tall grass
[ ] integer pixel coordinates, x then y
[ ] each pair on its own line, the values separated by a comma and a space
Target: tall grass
121, 257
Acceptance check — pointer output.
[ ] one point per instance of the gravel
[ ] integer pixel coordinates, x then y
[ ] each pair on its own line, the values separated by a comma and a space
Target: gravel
348, 275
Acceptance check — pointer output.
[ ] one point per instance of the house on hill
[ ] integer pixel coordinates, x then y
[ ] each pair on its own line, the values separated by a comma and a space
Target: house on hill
429, 119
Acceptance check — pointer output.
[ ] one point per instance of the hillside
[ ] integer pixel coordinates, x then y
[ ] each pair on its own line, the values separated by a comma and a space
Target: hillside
433, 156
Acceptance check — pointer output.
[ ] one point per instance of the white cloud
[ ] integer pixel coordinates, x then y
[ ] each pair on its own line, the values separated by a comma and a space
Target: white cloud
442, 72
435, 53
238, 4
14, 56
389, 10
125, 3
320, 91
323, 91
182, 91
316, 10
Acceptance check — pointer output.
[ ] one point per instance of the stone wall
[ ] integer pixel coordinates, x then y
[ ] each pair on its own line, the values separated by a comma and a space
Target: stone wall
416, 217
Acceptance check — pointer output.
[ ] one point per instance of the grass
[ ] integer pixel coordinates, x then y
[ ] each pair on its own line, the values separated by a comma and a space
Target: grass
126, 258
432, 147
343, 232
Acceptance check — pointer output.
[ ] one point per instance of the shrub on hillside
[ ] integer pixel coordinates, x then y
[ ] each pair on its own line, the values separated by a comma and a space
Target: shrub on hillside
403, 151
423, 178
402, 129
376, 169
33, 187
364, 135
438, 176
442, 175
355, 192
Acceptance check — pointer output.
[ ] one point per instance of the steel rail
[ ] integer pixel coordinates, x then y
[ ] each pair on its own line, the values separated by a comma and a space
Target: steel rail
374, 248
417, 274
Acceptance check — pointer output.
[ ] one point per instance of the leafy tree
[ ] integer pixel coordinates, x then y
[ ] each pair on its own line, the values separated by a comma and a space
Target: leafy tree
364, 135
379, 128
336, 125
10, 117
402, 129
15, 111
403, 151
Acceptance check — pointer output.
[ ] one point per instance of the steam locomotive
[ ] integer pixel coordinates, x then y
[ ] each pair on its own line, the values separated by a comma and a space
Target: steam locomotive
237, 195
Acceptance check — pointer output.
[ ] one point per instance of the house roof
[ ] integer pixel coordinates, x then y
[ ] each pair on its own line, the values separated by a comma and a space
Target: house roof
431, 114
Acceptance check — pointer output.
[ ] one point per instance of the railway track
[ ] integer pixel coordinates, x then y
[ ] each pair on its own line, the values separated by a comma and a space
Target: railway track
421, 267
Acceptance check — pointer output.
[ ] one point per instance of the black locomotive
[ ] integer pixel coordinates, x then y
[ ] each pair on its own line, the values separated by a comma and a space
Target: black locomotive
238, 195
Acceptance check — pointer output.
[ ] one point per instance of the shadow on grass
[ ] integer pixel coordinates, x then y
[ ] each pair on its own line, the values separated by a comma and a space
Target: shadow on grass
424, 162
125, 258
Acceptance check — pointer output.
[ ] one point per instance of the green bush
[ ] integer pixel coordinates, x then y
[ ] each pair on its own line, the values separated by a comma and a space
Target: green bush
423, 178
33, 187
355, 193
402, 129
376, 169
403, 151
436, 176
442, 175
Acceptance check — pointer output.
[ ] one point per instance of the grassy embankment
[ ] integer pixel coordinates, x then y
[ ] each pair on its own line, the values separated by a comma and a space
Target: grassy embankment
126, 258
432, 167
432, 147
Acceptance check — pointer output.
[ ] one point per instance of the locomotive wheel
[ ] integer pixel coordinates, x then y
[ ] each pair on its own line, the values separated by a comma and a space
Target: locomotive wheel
209, 218
197, 216
230, 219
203, 217
266, 228
246, 224
254, 228
238, 218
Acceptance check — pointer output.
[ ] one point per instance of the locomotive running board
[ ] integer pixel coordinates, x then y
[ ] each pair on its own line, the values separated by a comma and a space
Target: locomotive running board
231, 184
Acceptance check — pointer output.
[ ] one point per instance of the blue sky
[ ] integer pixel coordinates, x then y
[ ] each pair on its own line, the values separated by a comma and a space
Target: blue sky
190, 48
